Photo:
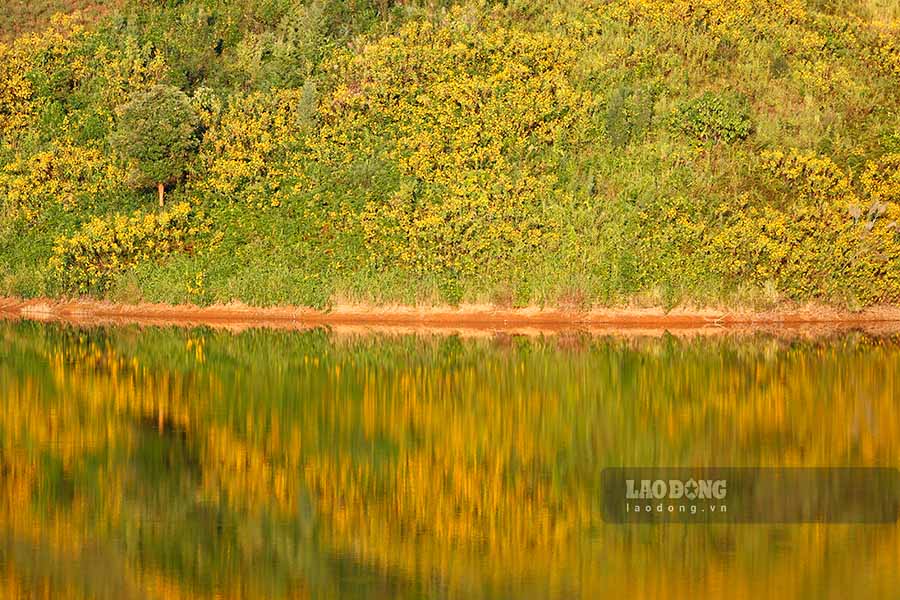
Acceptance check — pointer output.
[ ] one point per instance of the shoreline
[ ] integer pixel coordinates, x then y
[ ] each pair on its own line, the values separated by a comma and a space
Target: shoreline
465, 318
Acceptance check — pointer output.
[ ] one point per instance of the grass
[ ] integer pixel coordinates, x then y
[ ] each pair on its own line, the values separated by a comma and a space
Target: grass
24, 16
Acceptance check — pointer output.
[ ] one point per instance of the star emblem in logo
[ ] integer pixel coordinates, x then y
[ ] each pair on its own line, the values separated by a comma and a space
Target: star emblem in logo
690, 489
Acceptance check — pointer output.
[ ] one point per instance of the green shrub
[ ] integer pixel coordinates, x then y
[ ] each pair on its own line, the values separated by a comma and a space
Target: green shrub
629, 114
287, 55
714, 118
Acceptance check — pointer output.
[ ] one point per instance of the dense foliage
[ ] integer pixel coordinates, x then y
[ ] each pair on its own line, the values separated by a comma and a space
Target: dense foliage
104, 247
156, 134
575, 152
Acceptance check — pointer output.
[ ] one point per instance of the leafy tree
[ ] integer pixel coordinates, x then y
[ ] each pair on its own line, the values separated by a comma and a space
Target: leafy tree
158, 133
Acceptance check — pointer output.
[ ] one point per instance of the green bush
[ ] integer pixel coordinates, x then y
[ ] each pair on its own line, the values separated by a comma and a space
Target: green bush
714, 118
629, 114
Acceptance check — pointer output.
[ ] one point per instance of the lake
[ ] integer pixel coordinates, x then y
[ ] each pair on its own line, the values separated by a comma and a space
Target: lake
145, 461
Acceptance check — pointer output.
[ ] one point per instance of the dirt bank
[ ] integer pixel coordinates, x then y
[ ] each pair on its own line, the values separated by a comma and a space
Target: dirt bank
469, 318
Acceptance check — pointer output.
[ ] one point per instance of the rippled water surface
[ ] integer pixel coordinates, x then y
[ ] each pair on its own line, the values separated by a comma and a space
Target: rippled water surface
141, 462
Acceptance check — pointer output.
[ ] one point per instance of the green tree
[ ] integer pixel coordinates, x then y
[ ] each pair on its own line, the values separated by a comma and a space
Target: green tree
158, 133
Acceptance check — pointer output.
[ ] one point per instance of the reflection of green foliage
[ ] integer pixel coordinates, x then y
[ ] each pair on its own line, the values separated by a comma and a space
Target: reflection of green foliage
57, 489
273, 462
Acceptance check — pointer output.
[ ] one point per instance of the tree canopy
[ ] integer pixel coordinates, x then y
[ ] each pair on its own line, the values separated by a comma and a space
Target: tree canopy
157, 134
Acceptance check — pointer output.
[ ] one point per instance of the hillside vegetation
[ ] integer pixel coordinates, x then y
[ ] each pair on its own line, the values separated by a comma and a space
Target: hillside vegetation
22, 16
571, 152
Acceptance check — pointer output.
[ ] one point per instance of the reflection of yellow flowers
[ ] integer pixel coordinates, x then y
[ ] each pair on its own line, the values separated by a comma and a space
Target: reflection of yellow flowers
454, 465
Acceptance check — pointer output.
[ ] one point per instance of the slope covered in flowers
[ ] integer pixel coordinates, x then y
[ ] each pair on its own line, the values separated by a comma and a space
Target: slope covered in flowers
575, 152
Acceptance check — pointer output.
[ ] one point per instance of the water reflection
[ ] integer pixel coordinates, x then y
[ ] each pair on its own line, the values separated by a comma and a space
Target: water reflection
170, 463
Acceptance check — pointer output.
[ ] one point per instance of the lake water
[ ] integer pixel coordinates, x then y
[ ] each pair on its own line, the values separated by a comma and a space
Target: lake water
179, 463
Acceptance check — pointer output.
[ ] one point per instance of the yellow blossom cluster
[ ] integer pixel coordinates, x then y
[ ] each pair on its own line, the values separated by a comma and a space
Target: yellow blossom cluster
105, 247
244, 149
64, 173
832, 238
469, 114
19, 57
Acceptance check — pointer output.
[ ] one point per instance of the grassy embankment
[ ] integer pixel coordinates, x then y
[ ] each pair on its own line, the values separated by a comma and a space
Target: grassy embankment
568, 153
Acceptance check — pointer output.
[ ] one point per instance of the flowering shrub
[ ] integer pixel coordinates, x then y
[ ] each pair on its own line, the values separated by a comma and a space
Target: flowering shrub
807, 176
457, 107
64, 173
15, 89
58, 89
102, 248
886, 54
249, 143
881, 179
830, 241
35, 63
